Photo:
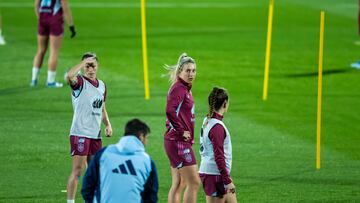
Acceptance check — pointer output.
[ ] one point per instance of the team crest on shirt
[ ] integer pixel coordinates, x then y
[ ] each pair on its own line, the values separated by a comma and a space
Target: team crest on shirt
186, 151
81, 145
187, 155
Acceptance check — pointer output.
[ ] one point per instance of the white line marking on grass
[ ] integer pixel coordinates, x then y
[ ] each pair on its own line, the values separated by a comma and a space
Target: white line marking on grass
136, 5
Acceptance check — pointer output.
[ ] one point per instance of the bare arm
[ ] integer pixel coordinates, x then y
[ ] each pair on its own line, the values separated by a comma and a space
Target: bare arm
67, 12
36, 7
72, 73
106, 121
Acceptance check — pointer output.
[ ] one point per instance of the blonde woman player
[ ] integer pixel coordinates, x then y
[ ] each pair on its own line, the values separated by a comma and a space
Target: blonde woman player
216, 151
179, 136
88, 99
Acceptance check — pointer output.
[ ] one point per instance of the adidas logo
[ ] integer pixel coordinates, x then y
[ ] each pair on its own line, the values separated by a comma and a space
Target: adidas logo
122, 168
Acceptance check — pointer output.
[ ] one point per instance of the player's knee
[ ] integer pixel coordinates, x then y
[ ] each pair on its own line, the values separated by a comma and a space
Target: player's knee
195, 181
53, 55
178, 185
178, 188
42, 51
76, 175
77, 171
181, 185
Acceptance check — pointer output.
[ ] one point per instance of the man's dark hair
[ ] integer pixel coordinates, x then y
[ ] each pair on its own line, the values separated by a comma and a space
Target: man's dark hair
136, 127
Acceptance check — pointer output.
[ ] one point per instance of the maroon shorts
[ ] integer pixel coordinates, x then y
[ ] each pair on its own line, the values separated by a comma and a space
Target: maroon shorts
180, 153
213, 185
50, 25
83, 146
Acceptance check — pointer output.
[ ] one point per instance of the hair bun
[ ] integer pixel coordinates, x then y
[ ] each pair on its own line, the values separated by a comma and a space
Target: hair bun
182, 56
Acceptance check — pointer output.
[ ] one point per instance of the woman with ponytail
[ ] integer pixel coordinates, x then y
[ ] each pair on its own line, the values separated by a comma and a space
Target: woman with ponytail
216, 151
179, 136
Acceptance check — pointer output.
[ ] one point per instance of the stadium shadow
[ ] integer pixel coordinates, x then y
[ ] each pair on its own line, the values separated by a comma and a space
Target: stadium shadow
291, 178
140, 114
137, 95
33, 197
18, 90
335, 95
325, 72
167, 33
190, 32
38, 111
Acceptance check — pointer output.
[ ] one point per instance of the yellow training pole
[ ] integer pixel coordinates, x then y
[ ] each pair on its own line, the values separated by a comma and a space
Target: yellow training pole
268, 46
318, 126
144, 48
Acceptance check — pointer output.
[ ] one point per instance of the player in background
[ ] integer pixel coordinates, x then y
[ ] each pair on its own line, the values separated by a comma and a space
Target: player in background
356, 65
216, 151
179, 136
2, 39
50, 15
88, 100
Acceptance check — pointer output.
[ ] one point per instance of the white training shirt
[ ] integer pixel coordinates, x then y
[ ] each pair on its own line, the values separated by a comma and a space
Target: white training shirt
87, 102
208, 164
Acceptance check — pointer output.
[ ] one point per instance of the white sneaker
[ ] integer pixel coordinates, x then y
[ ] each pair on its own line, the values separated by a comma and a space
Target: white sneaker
54, 85
2, 40
355, 65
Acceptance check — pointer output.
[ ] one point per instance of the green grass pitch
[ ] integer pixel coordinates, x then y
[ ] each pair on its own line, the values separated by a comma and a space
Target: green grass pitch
273, 141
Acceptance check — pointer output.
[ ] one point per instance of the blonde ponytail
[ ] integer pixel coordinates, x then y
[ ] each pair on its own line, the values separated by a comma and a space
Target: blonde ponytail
174, 70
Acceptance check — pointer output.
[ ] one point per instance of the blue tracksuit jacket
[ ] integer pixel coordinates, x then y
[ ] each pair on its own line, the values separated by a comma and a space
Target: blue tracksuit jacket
122, 172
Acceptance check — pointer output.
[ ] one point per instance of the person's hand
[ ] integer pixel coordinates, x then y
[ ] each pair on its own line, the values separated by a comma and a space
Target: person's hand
186, 135
108, 131
72, 30
230, 187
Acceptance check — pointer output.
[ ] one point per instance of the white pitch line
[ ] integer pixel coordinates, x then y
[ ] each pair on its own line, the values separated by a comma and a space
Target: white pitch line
135, 5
